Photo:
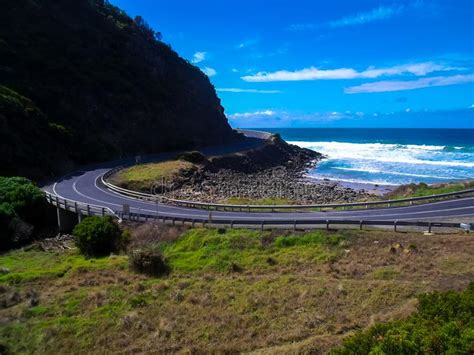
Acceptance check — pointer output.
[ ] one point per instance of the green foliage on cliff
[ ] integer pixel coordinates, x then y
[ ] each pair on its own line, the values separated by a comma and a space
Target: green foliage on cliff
83, 82
444, 324
22, 208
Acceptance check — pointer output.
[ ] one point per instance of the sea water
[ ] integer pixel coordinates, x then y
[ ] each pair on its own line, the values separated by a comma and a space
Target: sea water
387, 156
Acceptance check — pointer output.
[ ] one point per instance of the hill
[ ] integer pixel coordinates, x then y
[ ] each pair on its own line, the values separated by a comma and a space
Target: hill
81, 82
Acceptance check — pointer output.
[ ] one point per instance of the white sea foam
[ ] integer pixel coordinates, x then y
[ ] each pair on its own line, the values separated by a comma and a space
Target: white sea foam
376, 171
390, 153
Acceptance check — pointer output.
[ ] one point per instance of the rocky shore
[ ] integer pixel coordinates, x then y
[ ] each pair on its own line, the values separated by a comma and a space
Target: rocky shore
274, 172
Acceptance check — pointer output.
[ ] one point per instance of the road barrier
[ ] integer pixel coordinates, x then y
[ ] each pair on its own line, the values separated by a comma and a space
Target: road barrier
85, 209
275, 208
79, 208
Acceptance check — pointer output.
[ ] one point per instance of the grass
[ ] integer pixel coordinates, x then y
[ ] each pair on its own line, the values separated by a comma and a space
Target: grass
33, 265
228, 291
143, 177
237, 250
422, 189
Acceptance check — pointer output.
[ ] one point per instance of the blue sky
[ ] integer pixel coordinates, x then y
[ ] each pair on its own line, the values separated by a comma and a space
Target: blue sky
334, 63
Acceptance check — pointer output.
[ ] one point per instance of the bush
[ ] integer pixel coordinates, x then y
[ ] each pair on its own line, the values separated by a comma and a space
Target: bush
444, 323
148, 261
194, 157
22, 208
98, 236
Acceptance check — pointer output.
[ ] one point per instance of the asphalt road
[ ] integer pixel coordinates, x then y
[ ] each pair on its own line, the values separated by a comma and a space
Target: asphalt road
85, 186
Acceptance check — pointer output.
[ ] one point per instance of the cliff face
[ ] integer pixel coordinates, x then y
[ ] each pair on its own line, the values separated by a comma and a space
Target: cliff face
83, 82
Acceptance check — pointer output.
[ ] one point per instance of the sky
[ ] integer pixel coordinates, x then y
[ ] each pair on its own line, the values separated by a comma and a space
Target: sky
339, 63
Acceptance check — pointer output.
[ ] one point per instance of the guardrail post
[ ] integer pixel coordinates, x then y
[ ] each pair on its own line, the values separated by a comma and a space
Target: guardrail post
294, 225
327, 225
231, 224
395, 226
429, 227
57, 201
75, 208
65, 205
193, 222
88, 210
366, 207
173, 221
261, 226
361, 224
103, 212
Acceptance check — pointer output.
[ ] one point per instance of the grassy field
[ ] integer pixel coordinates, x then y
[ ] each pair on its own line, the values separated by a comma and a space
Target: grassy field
143, 177
228, 290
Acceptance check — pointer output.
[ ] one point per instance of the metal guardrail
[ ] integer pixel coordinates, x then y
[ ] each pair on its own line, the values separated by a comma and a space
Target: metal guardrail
79, 208
273, 208
296, 224
96, 210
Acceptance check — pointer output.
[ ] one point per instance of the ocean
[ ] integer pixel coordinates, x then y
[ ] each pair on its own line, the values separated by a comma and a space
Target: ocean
387, 156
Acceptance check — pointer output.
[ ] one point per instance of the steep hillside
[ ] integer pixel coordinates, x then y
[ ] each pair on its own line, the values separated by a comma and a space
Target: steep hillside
83, 82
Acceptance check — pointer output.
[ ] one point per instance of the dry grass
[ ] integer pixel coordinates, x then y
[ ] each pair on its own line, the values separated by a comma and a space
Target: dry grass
299, 306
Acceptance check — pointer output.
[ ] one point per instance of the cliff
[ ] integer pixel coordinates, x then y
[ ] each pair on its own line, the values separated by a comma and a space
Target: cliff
82, 82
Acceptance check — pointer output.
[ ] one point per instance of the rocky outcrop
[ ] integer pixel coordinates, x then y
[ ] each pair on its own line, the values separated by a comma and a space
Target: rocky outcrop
276, 170
275, 152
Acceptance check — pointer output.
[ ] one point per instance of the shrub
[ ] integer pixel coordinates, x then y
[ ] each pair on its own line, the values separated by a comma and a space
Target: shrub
98, 236
194, 157
148, 261
444, 323
22, 208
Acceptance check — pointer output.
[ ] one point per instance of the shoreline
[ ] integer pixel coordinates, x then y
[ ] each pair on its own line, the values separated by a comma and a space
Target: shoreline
370, 188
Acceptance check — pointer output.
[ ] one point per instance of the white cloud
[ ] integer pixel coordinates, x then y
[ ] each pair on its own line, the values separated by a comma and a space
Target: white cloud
253, 114
380, 13
376, 14
472, 106
399, 85
209, 71
312, 73
198, 57
234, 70
253, 91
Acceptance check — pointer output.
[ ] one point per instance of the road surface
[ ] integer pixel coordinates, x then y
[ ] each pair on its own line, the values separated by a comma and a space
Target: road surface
85, 186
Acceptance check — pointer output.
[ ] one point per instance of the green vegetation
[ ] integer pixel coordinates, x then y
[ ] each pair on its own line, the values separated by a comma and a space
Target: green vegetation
194, 157
97, 236
231, 291
228, 250
422, 189
85, 74
22, 208
32, 264
143, 177
443, 324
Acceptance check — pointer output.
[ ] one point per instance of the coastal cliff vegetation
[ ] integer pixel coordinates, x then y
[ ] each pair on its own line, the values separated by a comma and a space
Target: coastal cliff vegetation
82, 82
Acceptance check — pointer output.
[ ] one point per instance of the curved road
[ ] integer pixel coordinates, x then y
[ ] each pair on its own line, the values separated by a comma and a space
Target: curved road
84, 186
